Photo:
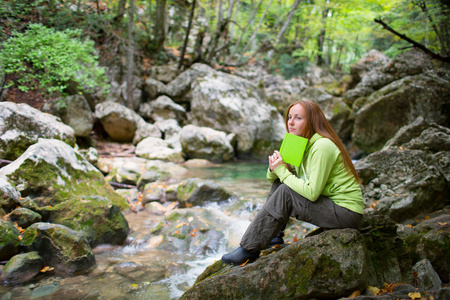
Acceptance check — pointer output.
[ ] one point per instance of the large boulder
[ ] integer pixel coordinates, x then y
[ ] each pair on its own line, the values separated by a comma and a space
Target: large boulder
51, 175
336, 111
196, 192
60, 247
178, 88
22, 268
326, 266
231, 104
96, 217
409, 175
123, 124
74, 111
162, 108
398, 104
373, 59
22, 125
204, 142
381, 71
156, 148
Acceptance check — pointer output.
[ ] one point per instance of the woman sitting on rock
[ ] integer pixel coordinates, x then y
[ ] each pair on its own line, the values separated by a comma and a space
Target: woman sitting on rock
323, 191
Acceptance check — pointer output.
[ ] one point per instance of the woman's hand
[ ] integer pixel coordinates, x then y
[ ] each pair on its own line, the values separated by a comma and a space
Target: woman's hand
275, 160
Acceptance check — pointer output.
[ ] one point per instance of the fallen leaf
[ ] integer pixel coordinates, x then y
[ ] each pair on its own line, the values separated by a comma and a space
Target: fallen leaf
276, 246
409, 225
427, 217
414, 295
355, 294
47, 269
20, 237
374, 290
176, 232
245, 263
181, 224
442, 223
294, 239
193, 232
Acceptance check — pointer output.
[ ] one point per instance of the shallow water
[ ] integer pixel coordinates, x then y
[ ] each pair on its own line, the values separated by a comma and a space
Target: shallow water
140, 271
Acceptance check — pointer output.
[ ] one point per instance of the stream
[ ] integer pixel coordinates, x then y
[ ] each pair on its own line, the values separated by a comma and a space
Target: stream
141, 271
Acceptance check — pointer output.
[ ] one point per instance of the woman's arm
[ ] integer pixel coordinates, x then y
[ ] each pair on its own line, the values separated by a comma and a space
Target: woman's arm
320, 161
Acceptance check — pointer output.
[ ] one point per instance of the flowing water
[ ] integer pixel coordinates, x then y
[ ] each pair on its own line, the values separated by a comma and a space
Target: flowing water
139, 271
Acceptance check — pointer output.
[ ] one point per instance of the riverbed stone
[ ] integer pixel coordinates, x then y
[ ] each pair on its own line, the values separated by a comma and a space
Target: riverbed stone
60, 247
22, 268
193, 230
196, 192
315, 267
207, 143
9, 240
22, 125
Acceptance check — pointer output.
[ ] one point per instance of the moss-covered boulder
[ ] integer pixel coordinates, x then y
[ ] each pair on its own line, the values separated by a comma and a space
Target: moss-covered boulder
97, 217
24, 217
430, 240
9, 240
22, 268
326, 266
60, 247
22, 125
196, 192
51, 171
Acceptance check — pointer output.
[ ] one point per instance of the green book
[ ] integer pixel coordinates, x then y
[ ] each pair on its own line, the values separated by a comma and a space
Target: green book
292, 149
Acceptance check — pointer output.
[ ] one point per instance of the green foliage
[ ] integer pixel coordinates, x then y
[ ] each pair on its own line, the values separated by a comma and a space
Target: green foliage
47, 60
290, 66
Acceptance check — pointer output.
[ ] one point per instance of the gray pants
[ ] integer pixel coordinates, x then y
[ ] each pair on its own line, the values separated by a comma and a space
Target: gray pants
282, 203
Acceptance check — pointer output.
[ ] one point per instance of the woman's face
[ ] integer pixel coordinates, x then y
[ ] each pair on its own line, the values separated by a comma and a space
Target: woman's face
296, 119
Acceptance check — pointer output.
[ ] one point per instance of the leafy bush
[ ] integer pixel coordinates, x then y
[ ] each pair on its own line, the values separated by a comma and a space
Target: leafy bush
47, 60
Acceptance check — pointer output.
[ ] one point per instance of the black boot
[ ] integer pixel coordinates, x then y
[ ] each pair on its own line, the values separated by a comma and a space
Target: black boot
240, 256
278, 239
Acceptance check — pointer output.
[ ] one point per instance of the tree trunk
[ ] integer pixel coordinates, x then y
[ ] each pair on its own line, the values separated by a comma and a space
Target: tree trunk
160, 24
257, 28
120, 11
321, 39
186, 39
130, 56
245, 28
286, 24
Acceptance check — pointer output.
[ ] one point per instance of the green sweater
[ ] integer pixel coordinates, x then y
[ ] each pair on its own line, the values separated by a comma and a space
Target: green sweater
322, 173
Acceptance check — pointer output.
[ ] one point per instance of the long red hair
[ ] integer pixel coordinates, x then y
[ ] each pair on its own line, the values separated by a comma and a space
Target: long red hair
317, 123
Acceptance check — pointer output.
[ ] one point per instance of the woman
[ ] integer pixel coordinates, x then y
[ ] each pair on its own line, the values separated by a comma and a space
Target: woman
323, 191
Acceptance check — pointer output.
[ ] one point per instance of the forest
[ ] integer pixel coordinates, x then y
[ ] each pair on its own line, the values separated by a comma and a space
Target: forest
48, 45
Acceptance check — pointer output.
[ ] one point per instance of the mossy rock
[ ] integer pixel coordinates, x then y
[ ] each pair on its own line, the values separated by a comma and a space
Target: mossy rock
9, 240
60, 247
96, 216
22, 267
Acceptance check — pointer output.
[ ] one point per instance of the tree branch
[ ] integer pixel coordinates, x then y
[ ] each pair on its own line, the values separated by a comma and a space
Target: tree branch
415, 44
